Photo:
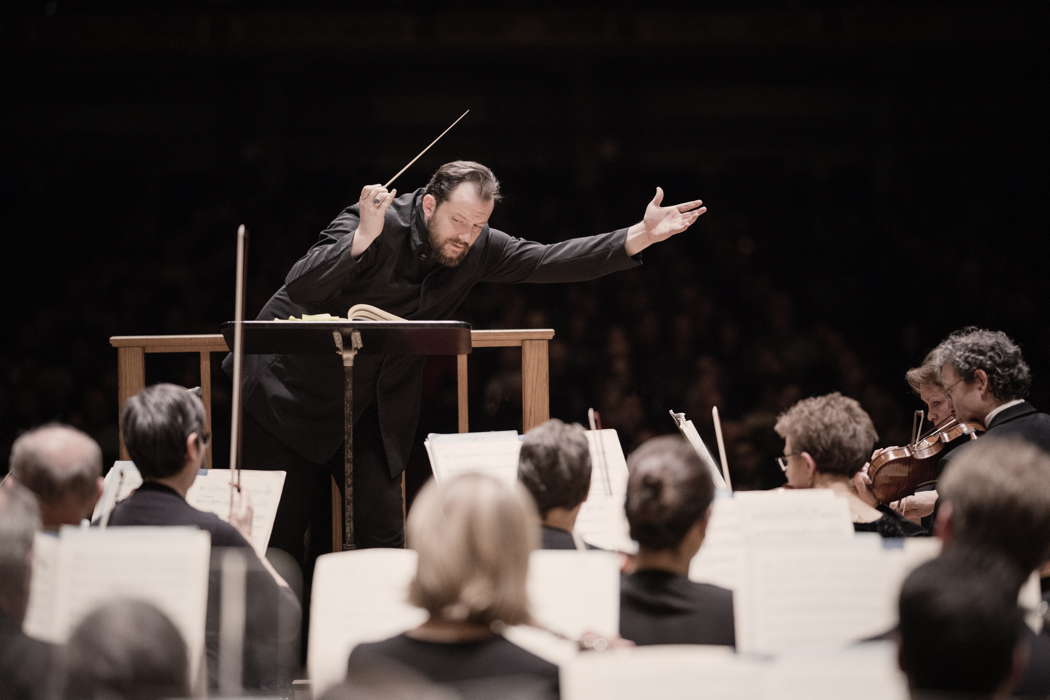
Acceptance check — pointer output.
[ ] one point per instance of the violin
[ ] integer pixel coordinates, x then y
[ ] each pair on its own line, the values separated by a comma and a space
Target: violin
896, 472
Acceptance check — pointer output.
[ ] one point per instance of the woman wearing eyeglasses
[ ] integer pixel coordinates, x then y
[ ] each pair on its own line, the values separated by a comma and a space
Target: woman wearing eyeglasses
827, 439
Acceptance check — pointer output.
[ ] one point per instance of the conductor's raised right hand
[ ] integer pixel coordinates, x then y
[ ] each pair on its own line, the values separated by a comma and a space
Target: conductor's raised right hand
374, 201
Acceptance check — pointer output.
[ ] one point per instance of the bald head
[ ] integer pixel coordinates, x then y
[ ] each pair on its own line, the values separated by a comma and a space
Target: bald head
63, 467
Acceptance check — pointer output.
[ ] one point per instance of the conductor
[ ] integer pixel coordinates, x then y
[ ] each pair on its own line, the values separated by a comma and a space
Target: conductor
416, 255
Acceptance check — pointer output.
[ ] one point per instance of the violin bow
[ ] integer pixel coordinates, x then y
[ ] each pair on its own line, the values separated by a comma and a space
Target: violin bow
238, 361
721, 446
596, 426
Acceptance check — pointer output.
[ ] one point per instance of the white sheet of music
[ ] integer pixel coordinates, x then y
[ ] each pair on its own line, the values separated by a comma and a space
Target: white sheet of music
166, 566
602, 521
669, 672
39, 621
813, 594
860, 672
570, 592
358, 596
493, 452
210, 492
692, 435
764, 516
721, 559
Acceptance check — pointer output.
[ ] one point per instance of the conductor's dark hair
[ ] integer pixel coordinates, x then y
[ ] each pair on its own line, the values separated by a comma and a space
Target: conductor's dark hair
970, 349
668, 491
555, 465
451, 175
959, 623
155, 423
126, 649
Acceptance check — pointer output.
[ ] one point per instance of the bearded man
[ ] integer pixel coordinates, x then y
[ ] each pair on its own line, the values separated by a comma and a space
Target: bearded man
417, 256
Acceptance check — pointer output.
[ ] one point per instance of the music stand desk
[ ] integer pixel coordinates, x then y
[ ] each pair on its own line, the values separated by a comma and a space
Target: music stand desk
347, 339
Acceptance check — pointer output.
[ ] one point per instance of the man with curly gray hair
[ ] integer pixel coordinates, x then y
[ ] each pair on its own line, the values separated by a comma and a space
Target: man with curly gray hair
987, 380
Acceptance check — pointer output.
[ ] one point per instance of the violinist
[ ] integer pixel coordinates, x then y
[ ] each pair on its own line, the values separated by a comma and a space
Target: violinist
987, 380
925, 381
827, 439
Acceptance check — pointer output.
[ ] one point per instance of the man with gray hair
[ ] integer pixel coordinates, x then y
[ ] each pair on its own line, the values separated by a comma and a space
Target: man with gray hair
418, 256
25, 663
995, 497
987, 381
62, 466
554, 465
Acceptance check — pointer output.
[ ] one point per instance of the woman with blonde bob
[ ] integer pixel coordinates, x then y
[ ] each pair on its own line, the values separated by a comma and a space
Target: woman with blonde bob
473, 536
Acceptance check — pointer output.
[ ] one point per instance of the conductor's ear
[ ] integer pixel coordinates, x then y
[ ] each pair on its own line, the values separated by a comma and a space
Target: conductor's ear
429, 206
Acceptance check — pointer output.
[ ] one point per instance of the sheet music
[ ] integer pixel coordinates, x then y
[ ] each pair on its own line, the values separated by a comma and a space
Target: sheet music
764, 516
722, 556
669, 672
167, 566
358, 596
570, 592
493, 452
866, 671
39, 621
602, 521
691, 434
210, 492
814, 593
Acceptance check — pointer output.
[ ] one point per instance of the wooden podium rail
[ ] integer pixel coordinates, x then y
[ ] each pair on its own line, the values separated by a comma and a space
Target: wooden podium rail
535, 372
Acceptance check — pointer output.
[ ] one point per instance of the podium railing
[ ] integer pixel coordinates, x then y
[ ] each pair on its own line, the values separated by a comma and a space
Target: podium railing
535, 369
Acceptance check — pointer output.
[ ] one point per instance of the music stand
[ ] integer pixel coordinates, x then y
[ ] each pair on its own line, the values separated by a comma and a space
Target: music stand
348, 338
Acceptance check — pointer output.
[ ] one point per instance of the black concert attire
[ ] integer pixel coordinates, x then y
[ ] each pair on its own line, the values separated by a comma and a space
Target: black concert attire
28, 667
272, 614
661, 607
487, 668
891, 524
297, 401
556, 538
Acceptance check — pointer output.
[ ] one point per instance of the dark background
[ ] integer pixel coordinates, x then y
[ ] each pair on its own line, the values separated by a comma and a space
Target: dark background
876, 175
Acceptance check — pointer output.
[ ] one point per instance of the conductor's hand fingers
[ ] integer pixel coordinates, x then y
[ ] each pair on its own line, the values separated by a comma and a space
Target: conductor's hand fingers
689, 206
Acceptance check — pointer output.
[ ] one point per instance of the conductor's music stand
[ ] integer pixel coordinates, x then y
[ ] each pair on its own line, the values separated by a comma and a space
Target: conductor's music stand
348, 338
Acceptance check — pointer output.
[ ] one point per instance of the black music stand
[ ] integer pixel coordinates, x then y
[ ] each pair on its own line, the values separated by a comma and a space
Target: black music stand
348, 338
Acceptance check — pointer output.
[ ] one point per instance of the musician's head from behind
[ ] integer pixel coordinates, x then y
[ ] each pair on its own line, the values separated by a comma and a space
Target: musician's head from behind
473, 535
826, 438
19, 521
960, 629
62, 466
669, 496
555, 466
994, 496
980, 370
126, 648
925, 381
457, 204
164, 431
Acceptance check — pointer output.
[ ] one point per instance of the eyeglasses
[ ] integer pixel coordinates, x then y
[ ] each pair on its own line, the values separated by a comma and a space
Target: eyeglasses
782, 461
948, 389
